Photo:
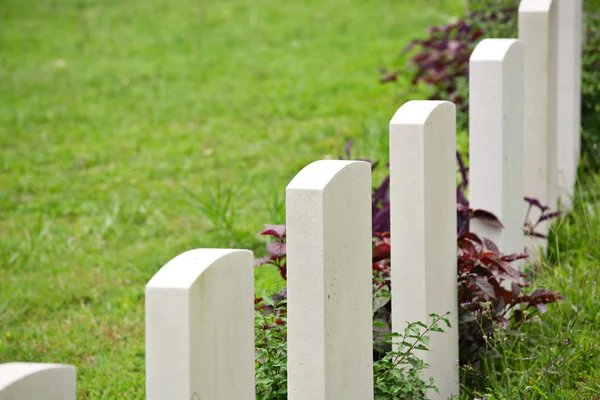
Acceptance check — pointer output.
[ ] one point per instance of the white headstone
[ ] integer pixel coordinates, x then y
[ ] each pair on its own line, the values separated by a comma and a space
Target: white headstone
200, 327
423, 229
330, 337
496, 140
568, 115
538, 32
32, 381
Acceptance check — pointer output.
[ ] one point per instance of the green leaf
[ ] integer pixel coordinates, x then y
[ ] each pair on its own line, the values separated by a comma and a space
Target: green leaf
379, 324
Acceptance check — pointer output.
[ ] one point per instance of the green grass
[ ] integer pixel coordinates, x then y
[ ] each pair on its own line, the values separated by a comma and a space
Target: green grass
133, 131
120, 122
558, 357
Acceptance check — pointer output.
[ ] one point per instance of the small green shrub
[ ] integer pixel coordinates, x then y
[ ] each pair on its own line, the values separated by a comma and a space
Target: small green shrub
271, 347
553, 356
397, 376
483, 271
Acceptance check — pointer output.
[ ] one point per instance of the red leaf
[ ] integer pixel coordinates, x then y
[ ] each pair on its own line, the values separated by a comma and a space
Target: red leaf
516, 290
487, 218
519, 316
462, 208
376, 267
262, 261
486, 287
536, 203
507, 295
481, 271
489, 245
274, 230
473, 238
478, 33
283, 271
382, 235
550, 216
544, 296
390, 77
513, 257
381, 252
276, 249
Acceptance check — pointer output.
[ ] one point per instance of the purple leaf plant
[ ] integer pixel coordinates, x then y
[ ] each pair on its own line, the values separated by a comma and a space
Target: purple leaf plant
483, 272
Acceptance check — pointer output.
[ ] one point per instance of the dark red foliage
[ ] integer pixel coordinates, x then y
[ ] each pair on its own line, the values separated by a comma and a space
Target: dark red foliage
491, 295
276, 307
545, 215
277, 231
441, 60
490, 287
276, 249
381, 261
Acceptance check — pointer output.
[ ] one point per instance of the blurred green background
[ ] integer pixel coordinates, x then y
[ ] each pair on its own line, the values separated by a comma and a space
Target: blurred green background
133, 131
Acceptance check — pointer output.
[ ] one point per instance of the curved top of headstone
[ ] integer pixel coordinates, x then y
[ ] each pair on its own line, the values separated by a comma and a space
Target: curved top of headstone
40, 374
185, 269
420, 112
495, 49
535, 5
319, 174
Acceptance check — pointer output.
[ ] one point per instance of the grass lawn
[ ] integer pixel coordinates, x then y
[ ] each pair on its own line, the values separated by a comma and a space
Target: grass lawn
133, 131
559, 357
